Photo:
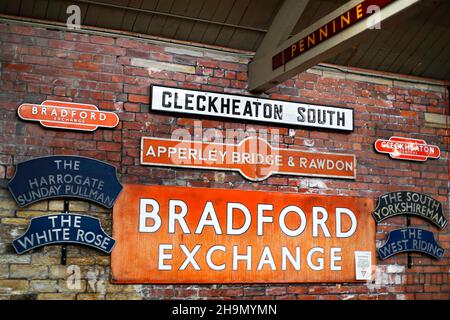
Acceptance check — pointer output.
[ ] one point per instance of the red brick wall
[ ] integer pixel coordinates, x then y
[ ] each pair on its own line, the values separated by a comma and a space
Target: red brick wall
39, 64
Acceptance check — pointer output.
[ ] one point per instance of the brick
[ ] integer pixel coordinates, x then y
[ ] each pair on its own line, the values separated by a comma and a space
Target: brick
208, 63
14, 258
229, 66
90, 296
13, 286
41, 205
15, 221
114, 288
184, 51
57, 296
161, 56
128, 43
4, 271
108, 146
80, 260
275, 291
78, 206
103, 260
29, 214
45, 259
41, 286
56, 205
101, 40
132, 107
84, 65
437, 120
28, 271
138, 98
297, 290
155, 66
58, 272
7, 204
24, 30
123, 296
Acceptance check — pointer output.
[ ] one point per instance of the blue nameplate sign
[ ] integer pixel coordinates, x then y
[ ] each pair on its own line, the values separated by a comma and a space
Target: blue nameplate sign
65, 177
64, 228
410, 240
410, 203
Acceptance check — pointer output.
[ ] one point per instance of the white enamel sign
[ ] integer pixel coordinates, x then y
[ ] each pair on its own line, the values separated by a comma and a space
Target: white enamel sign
229, 106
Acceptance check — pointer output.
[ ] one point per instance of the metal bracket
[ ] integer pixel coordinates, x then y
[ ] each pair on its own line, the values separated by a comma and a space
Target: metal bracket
64, 246
410, 260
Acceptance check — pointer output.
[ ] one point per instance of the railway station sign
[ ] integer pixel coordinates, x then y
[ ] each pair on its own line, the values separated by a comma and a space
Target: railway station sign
254, 158
407, 149
226, 106
328, 30
65, 177
410, 240
201, 235
68, 115
64, 229
410, 203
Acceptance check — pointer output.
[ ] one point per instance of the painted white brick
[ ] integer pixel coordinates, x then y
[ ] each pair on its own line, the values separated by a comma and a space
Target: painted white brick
226, 57
333, 74
155, 66
395, 268
436, 120
374, 79
185, 52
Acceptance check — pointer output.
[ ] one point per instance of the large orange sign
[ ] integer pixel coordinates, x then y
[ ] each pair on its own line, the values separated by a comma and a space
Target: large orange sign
199, 235
254, 158
68, 115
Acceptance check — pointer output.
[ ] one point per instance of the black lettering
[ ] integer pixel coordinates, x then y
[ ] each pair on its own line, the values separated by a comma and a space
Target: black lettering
256, 104
341, 119
267, 110
176, 105
211, 104
321, 117
235, 107
278, 112
301, 114
331, 114
225, 105
311, 116
247, 109
201, 107
188, 102
166, 95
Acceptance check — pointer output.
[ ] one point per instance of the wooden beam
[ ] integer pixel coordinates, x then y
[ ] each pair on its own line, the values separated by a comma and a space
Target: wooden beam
263, 77
282, 25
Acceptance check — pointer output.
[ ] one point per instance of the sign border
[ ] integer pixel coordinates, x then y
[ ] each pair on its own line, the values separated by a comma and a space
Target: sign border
64, 242
62, 197
62, 122
270, 282
244, 121
401, 159
239, 170
408, 251
408, 213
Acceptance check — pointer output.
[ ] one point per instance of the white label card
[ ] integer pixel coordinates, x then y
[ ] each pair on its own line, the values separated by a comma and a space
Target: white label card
363, 265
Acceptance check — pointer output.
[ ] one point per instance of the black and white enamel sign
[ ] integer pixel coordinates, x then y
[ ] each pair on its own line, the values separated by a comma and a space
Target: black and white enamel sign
61, 229
410, 203
236, 107
410, 240
65, 177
